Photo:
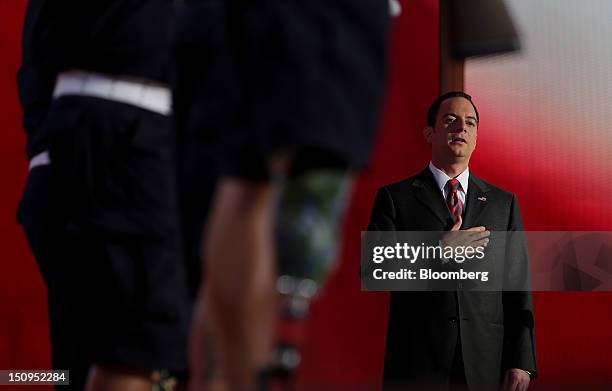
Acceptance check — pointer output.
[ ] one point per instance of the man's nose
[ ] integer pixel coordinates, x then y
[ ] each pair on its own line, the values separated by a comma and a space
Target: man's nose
460, 126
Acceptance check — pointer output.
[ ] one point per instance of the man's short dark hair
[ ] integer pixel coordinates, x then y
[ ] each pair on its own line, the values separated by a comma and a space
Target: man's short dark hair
432, 113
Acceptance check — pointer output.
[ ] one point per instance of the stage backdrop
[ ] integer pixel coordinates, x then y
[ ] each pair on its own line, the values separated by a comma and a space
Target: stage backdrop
554, 143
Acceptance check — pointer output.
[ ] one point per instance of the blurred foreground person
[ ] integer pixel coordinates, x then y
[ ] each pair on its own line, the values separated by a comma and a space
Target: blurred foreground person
100, 206
293, 91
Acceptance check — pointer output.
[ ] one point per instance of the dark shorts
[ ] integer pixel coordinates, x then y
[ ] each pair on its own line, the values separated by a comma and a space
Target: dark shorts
102, 221
287, 75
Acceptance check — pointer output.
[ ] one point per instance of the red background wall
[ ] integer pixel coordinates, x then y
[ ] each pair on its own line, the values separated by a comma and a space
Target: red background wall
24, 341
574, 330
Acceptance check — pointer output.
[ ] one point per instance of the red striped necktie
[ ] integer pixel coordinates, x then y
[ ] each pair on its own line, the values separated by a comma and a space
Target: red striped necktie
452, 198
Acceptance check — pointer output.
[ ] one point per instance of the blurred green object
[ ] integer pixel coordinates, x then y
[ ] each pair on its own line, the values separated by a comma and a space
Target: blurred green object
309, 214
166, 382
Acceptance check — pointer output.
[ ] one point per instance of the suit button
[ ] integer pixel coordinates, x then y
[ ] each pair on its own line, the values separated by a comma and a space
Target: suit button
453, 319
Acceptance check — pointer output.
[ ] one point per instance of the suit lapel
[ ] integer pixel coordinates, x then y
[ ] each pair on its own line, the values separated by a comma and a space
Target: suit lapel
476, 201
430, 196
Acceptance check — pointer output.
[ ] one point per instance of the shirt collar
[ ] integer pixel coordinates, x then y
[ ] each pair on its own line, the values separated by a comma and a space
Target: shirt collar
441, 178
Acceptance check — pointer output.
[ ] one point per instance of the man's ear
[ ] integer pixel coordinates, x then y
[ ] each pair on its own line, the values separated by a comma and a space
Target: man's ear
428, 133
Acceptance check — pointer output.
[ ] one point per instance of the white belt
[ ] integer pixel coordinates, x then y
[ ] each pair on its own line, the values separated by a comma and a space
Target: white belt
142, 93
395, 8
41, 159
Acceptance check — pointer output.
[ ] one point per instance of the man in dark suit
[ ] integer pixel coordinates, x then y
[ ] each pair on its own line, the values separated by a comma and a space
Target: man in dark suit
462, 338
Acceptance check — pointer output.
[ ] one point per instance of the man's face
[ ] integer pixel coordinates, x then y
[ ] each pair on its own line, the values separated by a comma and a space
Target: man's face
453, 138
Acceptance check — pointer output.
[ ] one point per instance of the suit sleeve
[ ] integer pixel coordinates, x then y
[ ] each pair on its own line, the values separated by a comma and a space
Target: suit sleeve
383, 212
519, 336
382, 219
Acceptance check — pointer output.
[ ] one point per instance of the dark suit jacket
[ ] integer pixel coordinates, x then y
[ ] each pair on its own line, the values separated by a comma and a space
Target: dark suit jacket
496, 328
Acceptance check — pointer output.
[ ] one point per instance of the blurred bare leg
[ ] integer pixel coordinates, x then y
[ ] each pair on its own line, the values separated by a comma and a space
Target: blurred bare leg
204, 371
239, 294
203, 374
104, 378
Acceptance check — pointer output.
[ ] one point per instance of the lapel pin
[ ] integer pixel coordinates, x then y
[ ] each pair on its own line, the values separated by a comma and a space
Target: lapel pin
483, 199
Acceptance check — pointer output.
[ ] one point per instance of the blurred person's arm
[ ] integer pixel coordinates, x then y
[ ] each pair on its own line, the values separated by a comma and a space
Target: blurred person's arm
40, 64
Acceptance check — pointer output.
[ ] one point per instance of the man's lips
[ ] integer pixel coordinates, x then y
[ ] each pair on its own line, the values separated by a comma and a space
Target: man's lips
458, 140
